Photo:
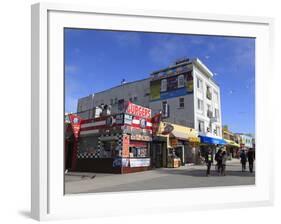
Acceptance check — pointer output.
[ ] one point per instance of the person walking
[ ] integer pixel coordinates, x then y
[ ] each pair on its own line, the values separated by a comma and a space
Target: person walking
219, 161
209, 161
223, 163
217, 158
243, 160
251, 158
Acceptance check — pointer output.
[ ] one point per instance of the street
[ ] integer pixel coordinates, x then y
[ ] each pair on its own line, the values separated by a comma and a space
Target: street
161, 178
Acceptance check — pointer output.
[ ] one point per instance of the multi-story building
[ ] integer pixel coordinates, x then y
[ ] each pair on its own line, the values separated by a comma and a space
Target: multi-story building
246, 141
185, 92
136, 92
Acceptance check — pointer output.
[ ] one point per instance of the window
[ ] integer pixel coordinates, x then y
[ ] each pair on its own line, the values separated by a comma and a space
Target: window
209, 128
135, 98
209, 111
165, 109
200, 126
217, 131
163, 85
180, 81
199, 84
111, 101
200, 104
209, 93
217, 115
216, 97
115, 101
181, 102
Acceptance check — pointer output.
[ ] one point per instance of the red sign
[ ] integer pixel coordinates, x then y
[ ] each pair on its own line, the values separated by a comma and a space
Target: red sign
155, 122
75, 124
138, 110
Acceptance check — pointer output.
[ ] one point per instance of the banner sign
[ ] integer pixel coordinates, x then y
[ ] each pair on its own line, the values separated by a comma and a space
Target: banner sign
137, 110
138, 134
140, 162
75, 121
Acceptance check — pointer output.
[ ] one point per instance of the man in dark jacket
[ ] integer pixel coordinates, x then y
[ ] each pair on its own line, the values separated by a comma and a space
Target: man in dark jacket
218, 158
209, 161
243, 160
251, 158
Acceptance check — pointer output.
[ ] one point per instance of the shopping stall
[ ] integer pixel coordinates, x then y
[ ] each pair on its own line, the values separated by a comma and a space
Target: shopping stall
116, 143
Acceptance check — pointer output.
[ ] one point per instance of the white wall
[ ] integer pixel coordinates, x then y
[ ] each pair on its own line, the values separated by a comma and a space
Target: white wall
15, 80
202, 95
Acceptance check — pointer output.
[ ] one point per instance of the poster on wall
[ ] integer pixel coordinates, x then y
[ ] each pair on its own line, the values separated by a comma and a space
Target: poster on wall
140, 162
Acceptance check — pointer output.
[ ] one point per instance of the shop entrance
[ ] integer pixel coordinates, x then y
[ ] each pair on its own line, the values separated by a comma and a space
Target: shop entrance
158, 154
179, 151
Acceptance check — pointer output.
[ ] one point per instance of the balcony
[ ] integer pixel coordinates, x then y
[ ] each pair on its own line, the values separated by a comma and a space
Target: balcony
209, 114
209, 95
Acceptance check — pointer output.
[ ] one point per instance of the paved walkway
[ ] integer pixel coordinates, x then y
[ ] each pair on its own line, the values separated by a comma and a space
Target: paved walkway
162, 178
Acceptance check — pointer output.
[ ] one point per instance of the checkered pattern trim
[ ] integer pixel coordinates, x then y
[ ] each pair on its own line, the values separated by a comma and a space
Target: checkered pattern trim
88, 155
98, 154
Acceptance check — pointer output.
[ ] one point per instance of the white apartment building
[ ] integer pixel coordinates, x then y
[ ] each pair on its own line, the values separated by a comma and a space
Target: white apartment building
185, 92
246, 140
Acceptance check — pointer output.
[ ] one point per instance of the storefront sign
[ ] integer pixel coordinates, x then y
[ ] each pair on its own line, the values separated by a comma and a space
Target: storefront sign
75, 124
140, 162
136, 110
128, 119
138, 134
126, 145
118, 162
168, 129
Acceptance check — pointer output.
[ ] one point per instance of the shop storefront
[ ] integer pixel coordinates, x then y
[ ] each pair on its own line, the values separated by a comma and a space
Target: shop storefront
177, 144
118, 143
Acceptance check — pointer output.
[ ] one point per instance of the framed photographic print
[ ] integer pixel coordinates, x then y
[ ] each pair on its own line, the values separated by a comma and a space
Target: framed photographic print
162, 111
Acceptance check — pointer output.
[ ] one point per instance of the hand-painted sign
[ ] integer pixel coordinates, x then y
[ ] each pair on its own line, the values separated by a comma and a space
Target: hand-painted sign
137, 110
168, 129
120, 162
126, 146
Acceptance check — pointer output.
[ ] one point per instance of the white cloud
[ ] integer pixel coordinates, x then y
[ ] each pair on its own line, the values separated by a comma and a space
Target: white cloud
126, 39
70, 69
167, 50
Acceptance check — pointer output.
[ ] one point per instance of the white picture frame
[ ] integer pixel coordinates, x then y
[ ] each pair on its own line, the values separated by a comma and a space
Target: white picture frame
48, 200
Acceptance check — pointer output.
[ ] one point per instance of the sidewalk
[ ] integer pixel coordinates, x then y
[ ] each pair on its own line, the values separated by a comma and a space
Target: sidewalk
161, 178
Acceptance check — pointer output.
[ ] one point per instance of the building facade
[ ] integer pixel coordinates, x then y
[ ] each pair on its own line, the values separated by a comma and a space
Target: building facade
185, 92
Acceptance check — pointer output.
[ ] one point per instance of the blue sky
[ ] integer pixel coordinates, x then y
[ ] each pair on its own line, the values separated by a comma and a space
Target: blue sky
96, 60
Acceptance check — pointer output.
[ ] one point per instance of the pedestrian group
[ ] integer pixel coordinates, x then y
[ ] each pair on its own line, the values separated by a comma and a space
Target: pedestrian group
221, 158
